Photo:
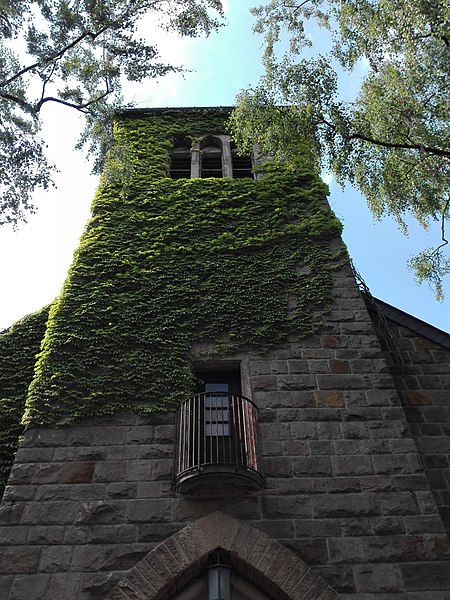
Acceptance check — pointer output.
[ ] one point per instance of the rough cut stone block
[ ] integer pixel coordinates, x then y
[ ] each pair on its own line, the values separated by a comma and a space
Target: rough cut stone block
424, 524
332, 398
110, 471
31, 455
430, 576
294, 506
378, 578
351, 465
345, 550
5, 585
88, 491
338, 485
277, 466
296, 382
13, 535
148, 489
264, 383
164, 434
299, 366
146, 451
52, 534
390, 464
303, 431
11, 512
19, 559
109, 436
114, 557
313, 466
281, 529
97, 453
29, 587
343, 382
162, 469
138, 470
48, 437
294, 448
53, 491
110, 534
99, 511
141, 435
21, 474
344, 505
388, 525
149, 511
14, 493
398, 503
48, 473
190, 509
321, 448
355, 527
317, 528
55, 559
64, 586
49, 513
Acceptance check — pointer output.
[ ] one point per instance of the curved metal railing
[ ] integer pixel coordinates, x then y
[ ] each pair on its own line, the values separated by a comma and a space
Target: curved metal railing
217, 433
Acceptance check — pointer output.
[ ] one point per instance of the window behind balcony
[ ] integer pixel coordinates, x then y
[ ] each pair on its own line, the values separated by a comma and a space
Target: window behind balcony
217, 434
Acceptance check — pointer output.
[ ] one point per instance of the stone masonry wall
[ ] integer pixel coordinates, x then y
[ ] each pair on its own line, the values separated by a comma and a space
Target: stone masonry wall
421, 372
345, 486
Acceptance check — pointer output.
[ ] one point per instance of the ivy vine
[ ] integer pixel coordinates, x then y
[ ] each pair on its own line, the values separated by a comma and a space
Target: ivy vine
19, 346
164, 265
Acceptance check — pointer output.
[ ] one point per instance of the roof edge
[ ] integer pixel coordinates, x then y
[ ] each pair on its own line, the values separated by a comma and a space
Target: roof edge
156, 110
415, 324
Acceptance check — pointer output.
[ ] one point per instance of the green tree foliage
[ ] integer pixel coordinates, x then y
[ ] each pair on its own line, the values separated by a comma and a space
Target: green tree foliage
392, 141
76, 53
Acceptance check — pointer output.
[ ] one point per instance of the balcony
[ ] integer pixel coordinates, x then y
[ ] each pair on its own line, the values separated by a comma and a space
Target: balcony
217, 444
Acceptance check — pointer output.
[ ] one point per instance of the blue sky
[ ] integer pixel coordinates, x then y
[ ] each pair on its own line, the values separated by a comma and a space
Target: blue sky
36, 258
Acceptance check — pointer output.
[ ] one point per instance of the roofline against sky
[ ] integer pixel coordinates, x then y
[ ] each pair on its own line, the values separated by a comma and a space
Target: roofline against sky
137, 111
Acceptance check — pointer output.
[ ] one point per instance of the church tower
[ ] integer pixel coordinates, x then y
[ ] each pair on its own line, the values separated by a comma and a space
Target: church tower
217, 412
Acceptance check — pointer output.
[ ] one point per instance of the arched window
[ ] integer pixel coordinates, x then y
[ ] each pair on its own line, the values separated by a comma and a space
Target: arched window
242, 165
180, 162
211, 158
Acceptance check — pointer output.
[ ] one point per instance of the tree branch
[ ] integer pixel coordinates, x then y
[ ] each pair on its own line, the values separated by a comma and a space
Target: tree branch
79, 107
399, 146
444, 239
296, 7
26, 106
385, 144
49, 59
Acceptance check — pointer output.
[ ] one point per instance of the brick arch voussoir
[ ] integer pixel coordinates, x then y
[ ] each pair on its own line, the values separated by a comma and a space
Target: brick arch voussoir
173, 563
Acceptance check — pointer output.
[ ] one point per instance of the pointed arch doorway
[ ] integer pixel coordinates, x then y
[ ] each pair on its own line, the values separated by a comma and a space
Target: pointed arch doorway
177, 564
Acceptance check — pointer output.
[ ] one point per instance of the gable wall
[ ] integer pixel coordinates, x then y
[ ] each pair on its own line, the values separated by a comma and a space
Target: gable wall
345, 488
421, 372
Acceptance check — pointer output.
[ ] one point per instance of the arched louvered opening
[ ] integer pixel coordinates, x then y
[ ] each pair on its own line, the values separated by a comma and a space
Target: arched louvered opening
180, 161
211, 157
242, 165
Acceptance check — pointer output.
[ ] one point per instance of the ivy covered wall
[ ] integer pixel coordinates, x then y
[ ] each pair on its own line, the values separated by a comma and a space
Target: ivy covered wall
19, 346
166, 264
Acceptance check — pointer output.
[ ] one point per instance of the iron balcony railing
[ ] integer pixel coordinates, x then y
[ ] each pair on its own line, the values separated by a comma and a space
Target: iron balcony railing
217, 442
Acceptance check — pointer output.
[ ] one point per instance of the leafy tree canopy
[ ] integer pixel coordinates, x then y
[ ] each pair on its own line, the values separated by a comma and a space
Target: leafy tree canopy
76, 53
392, 142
